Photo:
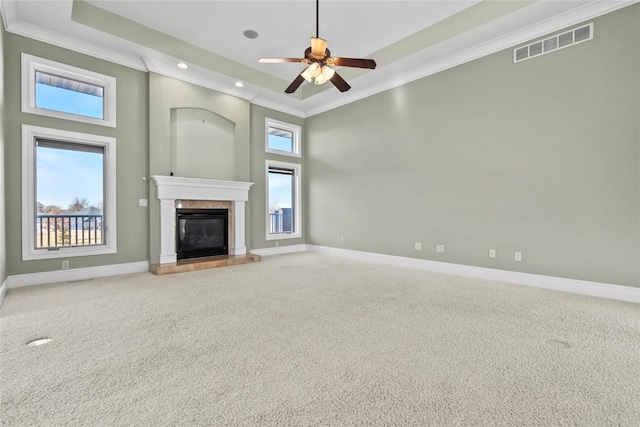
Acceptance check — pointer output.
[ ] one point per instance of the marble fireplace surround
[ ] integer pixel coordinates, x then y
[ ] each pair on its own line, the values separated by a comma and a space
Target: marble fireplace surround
200, 193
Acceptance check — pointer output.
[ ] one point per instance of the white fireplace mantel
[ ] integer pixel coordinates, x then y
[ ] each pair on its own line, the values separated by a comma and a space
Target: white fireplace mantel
172, 188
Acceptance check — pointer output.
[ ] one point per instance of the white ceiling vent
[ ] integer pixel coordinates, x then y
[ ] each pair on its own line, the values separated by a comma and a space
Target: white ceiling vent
569, 38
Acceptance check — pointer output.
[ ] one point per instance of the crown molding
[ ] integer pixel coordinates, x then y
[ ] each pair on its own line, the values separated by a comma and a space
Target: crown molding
324, 101
193, 77
266, 102
9, 13
557, 23
90, 49
223, 84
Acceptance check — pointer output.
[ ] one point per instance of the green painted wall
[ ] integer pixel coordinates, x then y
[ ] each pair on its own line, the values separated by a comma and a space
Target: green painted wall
203, 144
540, 157
132, 154
165, 94
3, 238
257, 195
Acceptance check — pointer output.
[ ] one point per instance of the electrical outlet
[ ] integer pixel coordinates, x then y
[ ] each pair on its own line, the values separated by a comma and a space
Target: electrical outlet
417, 246
143, 202
341, 239
492, 253
440, 249
277, 244
518, 256
65, 265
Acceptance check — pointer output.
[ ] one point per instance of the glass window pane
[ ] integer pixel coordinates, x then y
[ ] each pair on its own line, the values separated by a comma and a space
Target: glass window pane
281, 187
69, 96
69, 194
281, 140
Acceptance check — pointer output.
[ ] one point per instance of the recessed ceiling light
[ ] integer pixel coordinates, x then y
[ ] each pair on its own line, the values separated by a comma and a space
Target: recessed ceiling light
39, 341
182, 65
239, 84
250, 34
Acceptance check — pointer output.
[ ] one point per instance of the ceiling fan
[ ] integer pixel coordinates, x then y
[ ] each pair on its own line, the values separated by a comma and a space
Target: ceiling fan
320, 64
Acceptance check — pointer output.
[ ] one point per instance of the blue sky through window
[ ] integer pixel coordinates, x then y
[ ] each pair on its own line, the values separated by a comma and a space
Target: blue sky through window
69, 101
280, 190
281, 143
62, 175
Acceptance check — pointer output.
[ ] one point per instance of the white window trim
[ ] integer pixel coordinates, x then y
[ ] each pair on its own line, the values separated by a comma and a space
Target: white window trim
297, 202
31, 64
295, 129
29, 136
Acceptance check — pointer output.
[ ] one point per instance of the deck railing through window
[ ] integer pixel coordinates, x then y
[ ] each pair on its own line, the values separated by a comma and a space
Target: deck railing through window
275, 222
281, 221
54, 231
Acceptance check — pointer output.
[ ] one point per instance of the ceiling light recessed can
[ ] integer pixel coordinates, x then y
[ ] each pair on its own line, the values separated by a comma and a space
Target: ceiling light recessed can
39, 341
250, 34
182, 65
239, 84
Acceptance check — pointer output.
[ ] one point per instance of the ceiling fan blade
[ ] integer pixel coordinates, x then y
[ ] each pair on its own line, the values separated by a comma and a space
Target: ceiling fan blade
354, 62
295, 84
339, 82
318, 47
279, 60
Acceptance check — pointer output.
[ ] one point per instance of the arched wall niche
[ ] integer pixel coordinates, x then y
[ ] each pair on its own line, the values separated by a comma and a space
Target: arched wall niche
167, 95
202, 144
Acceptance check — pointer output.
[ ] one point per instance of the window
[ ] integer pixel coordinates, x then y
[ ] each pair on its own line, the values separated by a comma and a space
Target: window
282, 138
283, 200
58, 90
68, 194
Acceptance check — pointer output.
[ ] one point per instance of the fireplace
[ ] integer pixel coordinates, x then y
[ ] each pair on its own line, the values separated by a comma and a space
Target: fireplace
171, 190
201, 233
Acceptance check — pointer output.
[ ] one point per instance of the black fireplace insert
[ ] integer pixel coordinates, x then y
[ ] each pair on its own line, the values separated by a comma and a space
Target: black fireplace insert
202, 232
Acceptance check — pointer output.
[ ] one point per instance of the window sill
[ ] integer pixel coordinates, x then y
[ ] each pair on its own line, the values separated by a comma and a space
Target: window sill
33, 254
284, 153
283, 236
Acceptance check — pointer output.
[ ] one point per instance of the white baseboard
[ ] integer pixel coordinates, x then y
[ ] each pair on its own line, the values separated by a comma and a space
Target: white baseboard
603, 290
20, 280
279, 250
4, 288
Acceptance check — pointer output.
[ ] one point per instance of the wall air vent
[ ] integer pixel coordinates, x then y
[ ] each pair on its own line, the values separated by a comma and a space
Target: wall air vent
566, 39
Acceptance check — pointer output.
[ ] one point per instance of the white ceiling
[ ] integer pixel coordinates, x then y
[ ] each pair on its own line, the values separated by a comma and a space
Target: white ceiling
408, 39
353, 28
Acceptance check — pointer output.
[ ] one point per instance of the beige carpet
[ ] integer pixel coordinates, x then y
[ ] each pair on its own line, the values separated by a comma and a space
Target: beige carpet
308, 339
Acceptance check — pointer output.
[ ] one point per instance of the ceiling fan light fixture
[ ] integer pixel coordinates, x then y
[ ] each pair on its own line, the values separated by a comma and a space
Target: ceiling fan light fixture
315, 69
307, 75
320, 64
328, 72
325, 75
320, 80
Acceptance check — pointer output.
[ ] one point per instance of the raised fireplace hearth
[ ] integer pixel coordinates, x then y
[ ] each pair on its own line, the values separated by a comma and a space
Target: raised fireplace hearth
195, 195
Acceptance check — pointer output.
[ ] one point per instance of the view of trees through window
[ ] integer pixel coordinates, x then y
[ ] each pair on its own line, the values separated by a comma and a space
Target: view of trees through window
69, 194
